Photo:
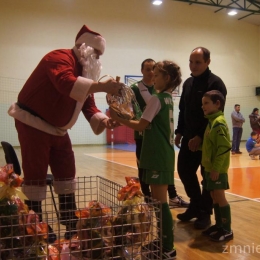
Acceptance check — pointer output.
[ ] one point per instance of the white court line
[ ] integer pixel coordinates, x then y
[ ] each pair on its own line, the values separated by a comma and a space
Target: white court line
116, 163
243, 167
256, 199
110, 161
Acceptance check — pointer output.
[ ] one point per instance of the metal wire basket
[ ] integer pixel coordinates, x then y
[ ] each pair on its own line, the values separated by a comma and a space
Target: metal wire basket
120, 239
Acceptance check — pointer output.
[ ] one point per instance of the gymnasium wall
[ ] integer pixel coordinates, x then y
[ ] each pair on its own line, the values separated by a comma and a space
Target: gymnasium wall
134, 30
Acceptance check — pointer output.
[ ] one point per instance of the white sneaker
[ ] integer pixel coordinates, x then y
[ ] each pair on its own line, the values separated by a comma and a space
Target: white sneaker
253, 157
178, 202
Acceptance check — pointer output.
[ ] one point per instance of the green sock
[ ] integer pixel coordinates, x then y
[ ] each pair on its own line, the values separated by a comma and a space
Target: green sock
217, 212
167, 228
226, 217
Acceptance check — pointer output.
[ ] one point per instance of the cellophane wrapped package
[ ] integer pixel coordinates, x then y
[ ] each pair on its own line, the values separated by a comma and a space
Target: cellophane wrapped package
94, 238
125, 105
132, 222
22, 234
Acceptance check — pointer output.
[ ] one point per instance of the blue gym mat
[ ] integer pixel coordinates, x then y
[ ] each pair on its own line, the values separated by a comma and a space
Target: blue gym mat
124, 147
128, 147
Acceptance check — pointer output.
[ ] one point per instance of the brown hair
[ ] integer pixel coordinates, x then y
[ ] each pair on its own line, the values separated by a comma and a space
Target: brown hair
215, 96
170, 68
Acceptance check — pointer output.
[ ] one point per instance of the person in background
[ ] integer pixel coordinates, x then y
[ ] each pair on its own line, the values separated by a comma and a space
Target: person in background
237, 123
255, 120
143, 92
60, 87
157, 154
252, 146
189, 133
216, 159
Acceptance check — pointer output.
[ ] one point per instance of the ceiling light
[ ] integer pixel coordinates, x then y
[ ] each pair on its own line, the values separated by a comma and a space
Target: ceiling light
156, 2
232, 12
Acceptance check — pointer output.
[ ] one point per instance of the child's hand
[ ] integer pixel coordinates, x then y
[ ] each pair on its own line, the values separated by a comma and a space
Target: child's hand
113, 114
214, 175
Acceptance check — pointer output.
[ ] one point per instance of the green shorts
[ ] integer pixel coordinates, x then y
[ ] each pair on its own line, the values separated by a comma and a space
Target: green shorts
158, 177
220, 184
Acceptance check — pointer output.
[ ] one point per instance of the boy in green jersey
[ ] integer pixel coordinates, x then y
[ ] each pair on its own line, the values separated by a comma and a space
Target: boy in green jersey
157, 154
216, 158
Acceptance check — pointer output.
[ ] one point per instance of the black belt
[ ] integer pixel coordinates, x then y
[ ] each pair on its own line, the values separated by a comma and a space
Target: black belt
23, 107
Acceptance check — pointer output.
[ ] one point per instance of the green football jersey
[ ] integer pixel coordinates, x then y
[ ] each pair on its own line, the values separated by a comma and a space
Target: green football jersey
158, 141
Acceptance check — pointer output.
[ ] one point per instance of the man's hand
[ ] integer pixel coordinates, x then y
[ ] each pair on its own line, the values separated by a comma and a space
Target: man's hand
194, 143
109, 123
214, 175
113, 87
177, 140
110, 86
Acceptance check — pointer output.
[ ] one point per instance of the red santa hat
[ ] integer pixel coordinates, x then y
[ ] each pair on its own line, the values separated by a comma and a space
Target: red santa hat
91, 38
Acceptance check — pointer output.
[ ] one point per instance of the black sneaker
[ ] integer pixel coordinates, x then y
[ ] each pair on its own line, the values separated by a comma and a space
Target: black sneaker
222, 235
202, 222
51, 236
238, 152
69, 234
187, 215
211, 230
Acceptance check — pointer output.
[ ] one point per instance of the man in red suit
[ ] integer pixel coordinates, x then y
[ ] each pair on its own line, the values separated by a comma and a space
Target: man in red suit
60, 87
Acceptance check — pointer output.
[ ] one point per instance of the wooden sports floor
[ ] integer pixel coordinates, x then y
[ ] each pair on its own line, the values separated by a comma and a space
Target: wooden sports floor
243, 196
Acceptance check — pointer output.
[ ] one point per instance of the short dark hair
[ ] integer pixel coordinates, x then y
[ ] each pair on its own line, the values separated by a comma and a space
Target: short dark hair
146, 60
253, 133
214, 96
255, 109
237, 105
205, 51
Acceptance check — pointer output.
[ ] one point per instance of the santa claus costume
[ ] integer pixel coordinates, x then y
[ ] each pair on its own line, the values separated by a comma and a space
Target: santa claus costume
49, 104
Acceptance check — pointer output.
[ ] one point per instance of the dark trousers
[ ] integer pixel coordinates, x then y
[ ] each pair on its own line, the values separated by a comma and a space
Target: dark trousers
237, 134
187, 165
146, 187
67, 206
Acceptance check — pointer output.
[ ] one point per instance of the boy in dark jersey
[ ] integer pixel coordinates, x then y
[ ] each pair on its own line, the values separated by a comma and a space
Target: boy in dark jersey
215, 159
157, 155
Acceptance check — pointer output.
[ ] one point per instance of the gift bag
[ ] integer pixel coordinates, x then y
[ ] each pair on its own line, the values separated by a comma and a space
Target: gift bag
125, 105
132, 223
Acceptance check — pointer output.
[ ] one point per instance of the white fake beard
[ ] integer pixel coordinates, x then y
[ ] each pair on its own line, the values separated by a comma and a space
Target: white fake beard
91, 65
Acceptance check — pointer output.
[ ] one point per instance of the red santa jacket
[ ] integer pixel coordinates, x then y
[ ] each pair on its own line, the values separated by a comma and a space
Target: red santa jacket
56, 93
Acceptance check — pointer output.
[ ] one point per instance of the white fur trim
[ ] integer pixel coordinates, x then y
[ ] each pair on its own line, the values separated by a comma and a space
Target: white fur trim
80, 89
27, 118
35, 193
92, 40
65, 187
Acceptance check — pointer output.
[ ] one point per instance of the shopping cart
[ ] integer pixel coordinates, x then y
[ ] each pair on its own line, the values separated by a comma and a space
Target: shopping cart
115, 236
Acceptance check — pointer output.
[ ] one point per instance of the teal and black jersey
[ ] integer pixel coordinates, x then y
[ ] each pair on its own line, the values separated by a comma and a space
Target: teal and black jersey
142, 93
158, 141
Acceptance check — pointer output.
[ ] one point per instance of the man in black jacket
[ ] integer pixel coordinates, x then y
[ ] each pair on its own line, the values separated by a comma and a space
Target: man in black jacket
189, 133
